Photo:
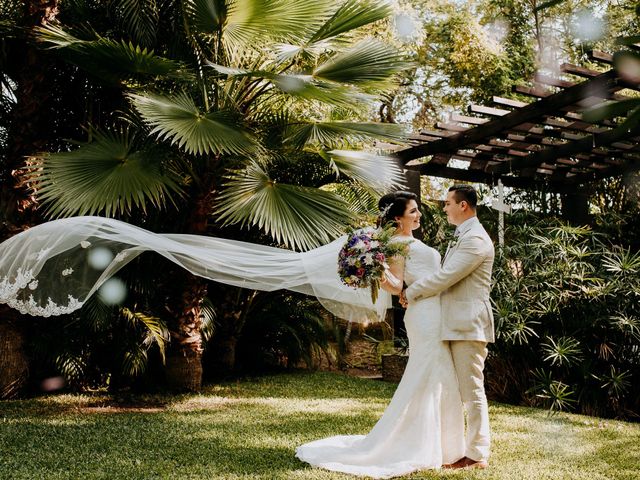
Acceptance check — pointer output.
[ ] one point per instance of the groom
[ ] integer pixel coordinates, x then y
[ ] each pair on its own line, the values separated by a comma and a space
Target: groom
467, 318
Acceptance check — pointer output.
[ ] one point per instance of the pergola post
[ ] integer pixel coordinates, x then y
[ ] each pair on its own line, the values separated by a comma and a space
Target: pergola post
575, 207
412, 180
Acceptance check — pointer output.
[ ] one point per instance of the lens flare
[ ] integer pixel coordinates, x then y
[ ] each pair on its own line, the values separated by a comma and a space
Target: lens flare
587, 26
51, 384
113, 291
99, 258
405, 27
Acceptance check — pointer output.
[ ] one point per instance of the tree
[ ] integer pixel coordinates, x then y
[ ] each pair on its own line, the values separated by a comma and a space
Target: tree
201, 123
25, 94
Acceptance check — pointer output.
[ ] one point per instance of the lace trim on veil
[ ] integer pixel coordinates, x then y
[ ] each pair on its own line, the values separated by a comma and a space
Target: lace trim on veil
50, 269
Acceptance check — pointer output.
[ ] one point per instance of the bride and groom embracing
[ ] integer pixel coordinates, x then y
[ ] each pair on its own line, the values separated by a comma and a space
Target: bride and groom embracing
449, 322
53, 268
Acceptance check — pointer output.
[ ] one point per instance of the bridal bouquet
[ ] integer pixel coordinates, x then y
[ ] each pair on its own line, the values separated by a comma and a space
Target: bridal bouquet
362, 261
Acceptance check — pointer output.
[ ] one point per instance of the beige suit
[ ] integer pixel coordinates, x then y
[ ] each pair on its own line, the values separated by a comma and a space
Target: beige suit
467, 322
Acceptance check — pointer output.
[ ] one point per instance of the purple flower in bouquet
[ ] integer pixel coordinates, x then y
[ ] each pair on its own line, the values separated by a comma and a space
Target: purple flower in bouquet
363, 259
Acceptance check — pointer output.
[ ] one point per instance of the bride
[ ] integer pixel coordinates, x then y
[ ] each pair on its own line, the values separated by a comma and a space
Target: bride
423, 426
52, 269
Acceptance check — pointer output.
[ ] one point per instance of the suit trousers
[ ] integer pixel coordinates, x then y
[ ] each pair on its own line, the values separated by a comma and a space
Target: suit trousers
468, 359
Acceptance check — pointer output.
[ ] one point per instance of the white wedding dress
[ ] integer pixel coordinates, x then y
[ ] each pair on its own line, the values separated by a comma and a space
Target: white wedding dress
423, 426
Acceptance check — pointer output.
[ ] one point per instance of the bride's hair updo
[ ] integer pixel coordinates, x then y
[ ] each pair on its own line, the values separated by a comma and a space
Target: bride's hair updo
393, 205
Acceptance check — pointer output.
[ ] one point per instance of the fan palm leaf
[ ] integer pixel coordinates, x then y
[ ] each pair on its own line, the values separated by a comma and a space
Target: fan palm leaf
206, 16
139, 18
134, 361
156, 331
177, 118
299, 217
339, 133
367, 63
307, 88
252, 21
351, 15
106, 176
377, 172
111, 59
286, 52
303, 86
362, 200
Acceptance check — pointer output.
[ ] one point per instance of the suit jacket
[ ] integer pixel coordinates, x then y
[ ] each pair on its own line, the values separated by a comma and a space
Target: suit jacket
465, 283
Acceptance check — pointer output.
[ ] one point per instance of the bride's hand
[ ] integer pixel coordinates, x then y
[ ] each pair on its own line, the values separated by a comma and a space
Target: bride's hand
403, 299
389, 278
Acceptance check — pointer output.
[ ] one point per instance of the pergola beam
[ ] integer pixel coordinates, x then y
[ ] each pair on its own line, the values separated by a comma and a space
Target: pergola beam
585, 144
545, 144
477, 176
525, 114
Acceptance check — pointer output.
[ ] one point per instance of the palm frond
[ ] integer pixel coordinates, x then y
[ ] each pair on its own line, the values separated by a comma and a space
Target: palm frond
106, 176
71, 366
206, 16
331, 134
139, 18
377, 172
207, 317
156, 331
134, 362
367, 63
285, 52
177, 118
299, 217
304, 86
111, 59
621, 261
351, 15
96, 313
363, 201
250, 21
58, 38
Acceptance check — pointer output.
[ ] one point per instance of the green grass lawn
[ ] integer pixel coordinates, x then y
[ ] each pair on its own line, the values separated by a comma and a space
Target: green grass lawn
249, 429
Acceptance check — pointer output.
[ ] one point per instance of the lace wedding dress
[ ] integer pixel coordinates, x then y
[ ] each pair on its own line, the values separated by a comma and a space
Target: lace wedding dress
423, 426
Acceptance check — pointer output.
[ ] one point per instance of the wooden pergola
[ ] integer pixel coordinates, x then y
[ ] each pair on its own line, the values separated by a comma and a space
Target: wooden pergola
545, 144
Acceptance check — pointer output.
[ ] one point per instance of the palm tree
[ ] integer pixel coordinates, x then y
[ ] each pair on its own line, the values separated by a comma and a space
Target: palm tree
24, 96
236, 112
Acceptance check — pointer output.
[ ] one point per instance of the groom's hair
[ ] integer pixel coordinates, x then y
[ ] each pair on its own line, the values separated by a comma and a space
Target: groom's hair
465, 192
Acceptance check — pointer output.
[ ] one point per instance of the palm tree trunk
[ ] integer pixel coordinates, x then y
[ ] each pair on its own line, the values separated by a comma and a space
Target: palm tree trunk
28, 70
14, 365
184, 356
233, 308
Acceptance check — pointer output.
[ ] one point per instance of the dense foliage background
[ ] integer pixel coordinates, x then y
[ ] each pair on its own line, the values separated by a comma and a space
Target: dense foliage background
165, 113
566, 309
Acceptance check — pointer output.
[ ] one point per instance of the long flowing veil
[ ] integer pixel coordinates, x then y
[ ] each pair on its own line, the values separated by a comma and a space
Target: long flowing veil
52, 269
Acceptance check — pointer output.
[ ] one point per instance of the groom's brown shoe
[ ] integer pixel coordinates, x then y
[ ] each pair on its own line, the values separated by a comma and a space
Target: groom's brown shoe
466, 462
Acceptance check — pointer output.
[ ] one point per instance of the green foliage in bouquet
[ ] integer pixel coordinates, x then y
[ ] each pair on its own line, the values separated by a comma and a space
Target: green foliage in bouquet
366, 254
